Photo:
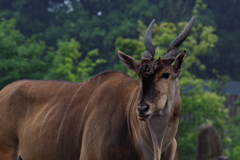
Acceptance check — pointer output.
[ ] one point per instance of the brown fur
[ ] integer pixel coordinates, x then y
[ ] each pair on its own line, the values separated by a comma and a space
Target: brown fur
148, 68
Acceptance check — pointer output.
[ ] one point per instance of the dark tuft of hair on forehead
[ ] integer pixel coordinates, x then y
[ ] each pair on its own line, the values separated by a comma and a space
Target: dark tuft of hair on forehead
148, 68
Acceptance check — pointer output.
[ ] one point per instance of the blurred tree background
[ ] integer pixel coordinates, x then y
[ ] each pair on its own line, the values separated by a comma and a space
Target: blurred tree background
73, 40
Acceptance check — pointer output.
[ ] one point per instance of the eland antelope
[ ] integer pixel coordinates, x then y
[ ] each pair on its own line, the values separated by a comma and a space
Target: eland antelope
109, 117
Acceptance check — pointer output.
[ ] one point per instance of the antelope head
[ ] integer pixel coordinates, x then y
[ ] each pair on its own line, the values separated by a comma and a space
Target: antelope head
159, 84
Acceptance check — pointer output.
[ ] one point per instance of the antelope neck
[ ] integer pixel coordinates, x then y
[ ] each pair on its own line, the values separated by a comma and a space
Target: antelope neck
147, 135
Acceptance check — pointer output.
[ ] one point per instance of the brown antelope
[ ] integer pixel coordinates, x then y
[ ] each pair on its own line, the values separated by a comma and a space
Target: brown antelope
111, 116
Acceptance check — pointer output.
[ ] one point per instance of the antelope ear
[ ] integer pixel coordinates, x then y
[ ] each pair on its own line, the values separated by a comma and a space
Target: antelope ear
178, 63
129, 62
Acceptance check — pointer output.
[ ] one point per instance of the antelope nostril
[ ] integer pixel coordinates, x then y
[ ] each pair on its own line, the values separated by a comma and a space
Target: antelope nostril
143, 108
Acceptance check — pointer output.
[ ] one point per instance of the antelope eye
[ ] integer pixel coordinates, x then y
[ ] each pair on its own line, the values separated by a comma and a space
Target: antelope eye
165, 75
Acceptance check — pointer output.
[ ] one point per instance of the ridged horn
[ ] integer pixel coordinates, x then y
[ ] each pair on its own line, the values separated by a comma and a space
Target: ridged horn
149, 53
173, 49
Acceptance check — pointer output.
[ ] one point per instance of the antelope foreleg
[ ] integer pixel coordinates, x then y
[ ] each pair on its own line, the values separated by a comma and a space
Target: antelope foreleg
169, 154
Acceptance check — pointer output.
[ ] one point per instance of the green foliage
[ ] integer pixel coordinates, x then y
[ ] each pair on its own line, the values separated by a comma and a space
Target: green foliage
233, 140
225, 56
96, 24
68, 64
198, 106
19, 56
235, 154
22, 58
198, 43
233, 130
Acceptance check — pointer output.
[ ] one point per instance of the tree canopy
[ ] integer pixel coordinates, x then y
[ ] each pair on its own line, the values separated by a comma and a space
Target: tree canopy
97, 24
